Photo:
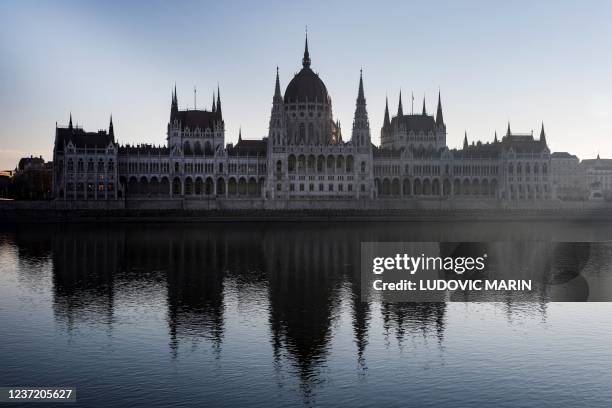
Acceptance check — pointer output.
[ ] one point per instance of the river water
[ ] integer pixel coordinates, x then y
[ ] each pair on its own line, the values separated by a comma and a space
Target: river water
254, 314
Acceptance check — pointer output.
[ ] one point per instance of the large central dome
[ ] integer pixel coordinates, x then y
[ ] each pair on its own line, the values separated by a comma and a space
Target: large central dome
306, 86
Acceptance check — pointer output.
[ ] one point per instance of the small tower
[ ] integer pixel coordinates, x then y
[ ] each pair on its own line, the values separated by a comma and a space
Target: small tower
400, 110
542, 134
439, 117
361, 125
276, 128
218, 107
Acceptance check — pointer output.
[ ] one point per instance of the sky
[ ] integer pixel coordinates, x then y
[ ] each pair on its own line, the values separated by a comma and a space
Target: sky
494, 62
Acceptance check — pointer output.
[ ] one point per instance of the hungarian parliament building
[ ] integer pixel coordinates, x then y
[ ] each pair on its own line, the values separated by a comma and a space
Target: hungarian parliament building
304, 162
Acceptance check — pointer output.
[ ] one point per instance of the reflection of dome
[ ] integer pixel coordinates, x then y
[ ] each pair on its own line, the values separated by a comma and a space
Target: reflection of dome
306, 85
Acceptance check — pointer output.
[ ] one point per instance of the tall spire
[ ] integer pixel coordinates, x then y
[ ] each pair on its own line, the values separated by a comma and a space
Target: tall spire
439, 117
495, 140
360, 94
465, 141
70, 122
240, 134
214, 107
111, 131
387, 122
306, 59
277, 88
218, 101
508, 132
424, 109
400, 110
542, 134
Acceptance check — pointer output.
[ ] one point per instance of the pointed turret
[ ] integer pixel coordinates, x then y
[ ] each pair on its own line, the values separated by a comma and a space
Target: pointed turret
542, 134
508, 132
495, 139
219, 102
277, 89
240, 134
386, 122
439, 117
214, 107
111, 130
306, 59
70, 122
361, 125
360, 94
424, 109
400, 110
174, 105
465, 141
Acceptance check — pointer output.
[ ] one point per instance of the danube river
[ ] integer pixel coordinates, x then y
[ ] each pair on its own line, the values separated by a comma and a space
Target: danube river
271, 314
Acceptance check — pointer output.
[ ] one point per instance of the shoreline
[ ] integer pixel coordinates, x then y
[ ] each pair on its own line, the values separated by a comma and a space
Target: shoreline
50, 215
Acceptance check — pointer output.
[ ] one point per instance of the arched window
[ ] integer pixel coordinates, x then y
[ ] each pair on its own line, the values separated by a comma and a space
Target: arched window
363, 167
302, 135
279, 166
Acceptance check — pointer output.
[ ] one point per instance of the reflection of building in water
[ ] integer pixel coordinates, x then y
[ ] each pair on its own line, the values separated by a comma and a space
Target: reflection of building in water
304, 162
305, 271
85, 266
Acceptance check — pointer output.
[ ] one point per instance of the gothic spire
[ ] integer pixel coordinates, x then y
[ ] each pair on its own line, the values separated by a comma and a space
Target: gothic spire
439, 117
218, 101
387, 122
424, 109
360, 94
465, 141
214, 107
542, 134
240, 134
111, 131
306, 59
70, 122
508, 132
400, 110
277, 88
495, 140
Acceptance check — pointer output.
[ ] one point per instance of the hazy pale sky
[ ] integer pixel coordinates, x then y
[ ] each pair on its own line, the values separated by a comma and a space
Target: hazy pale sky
526, 62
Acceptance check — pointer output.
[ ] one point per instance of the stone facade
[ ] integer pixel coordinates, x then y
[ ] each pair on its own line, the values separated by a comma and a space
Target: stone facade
304, 162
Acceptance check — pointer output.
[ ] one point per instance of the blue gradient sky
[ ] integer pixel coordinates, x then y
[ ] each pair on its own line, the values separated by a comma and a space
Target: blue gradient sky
525, 62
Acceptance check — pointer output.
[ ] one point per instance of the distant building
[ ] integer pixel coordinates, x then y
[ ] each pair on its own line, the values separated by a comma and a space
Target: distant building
5, 183
599, 175
569, 177
304, 159
32, 180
